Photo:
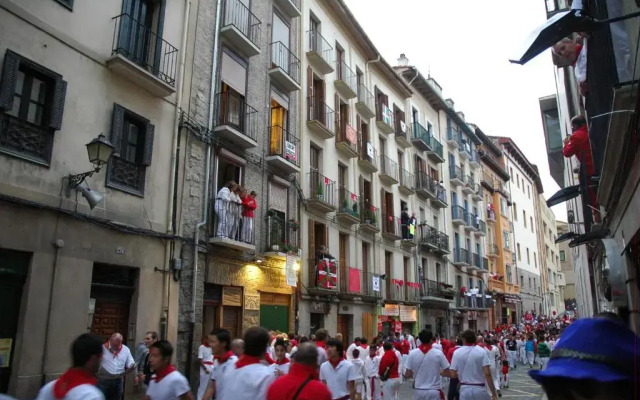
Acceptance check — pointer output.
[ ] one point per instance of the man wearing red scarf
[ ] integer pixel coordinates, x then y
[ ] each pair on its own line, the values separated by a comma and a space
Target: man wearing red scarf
356, 343
427, 365
166, 382
390, 360
78, 382
205, 356
223, 359
280, 365
321, 343
337, 373
302, 379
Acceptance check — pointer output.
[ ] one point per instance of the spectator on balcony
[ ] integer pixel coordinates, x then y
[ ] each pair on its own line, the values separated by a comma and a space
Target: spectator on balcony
413, 223
249, 205
574, 52
222, 209
578, 145
236, 211
404, 220
475, 292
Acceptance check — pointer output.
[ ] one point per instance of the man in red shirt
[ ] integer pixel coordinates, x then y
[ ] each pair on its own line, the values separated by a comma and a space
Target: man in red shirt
389, 360
452, 393
302, 379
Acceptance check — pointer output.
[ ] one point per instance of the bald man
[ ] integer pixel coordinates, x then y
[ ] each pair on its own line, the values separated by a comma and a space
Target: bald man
116, 363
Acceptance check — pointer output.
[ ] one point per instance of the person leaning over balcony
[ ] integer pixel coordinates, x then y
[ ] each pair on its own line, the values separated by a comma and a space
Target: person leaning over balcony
249, 205
404, 220
222, 209
575, 53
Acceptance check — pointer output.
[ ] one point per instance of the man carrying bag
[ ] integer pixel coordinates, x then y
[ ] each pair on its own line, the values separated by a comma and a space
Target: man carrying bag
427, 366
389, 373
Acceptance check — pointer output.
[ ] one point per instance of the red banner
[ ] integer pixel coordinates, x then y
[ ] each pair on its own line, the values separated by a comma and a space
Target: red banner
354, 280
327, 273
352, 135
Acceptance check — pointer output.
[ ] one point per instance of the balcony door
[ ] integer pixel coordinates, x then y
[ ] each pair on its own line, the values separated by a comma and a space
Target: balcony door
454, 199
279, 122
456, 240
280, 38
136, 37
466, 206
365, 268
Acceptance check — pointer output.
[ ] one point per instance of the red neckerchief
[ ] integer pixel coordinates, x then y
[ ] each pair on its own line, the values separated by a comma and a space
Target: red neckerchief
223, 359
304, 370
158, 376
72, 378
245, 360
578, 50
268, 358
335, 364
108, 347
321, 344
469, 344
424, 348
364, 346
283, 362
205, 344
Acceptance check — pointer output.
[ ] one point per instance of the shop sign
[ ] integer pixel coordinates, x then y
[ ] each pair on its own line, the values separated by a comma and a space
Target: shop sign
391, 310
232, 296
408, 313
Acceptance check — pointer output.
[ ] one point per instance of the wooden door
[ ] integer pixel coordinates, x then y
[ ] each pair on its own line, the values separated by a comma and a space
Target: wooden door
368, 330
232, 320
110, 317
344, 325
387, 271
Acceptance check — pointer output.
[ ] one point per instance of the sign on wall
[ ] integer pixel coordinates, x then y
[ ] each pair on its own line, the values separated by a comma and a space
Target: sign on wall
376, 283
290, 151
391, 310
408, 313
290, 270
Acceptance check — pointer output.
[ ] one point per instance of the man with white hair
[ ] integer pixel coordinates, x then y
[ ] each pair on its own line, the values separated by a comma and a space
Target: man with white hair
117, 362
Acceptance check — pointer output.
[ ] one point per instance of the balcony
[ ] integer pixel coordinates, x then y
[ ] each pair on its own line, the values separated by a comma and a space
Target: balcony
412, 292
439, 291
320, 53
474, 160
384, 119
403, 134
429, 237
346, 81
421, 137
453, 137
477, 261
348, 212
283, 237
487, 181
285, 67
436, 153
240, 28
369, 218
391, 228
290, 7
461, 257
491, 216
469, 186
480, 228
347, 141
368, 157
323, 276
440, 201
455, 175
468, 221
478, 195
227, 230
395, 290
457, 215
493, 251
473, 302
235, 120
366, 104
388, 170
320, 118
357, 283
425, 186
407, 182
143, 57
284, 150
322, 193
465, 148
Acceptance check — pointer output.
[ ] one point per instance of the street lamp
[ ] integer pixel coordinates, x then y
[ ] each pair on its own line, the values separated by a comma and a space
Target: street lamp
99, 151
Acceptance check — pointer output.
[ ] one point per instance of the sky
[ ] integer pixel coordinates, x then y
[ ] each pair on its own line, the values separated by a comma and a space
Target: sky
465, 45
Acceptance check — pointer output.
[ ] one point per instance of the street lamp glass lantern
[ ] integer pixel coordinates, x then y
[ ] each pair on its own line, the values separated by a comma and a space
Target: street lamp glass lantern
100, 150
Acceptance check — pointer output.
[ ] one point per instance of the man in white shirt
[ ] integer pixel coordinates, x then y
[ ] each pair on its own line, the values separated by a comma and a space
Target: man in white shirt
337, 373
205, 356
223, 359
411, 339
474, 297
493, 352
470, 365
356, 343
249, 379
78, 382
372, 383
166, 382
116, 363
359, 371
427, 365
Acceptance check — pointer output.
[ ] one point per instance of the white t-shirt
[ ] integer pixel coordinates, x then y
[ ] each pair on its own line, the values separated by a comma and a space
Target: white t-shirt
116, 363
218, 372
426, 368
284, 368
412, 342
494, 356
204, 353
247, 383
171, 387
469, 362
82, 392
372, 366
358, 368
337, 378
350, 350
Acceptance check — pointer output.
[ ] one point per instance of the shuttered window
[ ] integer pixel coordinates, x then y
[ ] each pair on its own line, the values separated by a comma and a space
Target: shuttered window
31, 105
132, 136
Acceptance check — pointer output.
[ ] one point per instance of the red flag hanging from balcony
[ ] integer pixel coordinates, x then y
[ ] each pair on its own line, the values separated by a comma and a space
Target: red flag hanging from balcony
326, 181
352, 135
353, 197
354, 280
327, 273
398, 282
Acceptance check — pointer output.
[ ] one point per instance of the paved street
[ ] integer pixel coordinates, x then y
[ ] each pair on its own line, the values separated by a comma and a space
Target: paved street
521, 387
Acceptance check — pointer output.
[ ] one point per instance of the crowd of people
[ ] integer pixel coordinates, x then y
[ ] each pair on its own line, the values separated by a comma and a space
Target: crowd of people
567, 358
235, 207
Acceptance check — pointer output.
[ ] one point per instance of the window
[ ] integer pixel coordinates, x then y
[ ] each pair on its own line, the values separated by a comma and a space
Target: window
519, 254
31, 106
132, 137
515, 211
518, 180
535, 259
522, 279
511, 172
562, 256
505, 236
503, 206
530, 285
529, 191
531, 220
67, 3
528, 259
524, 218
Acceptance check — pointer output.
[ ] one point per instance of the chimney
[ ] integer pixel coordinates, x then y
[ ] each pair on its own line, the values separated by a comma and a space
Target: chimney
403, 61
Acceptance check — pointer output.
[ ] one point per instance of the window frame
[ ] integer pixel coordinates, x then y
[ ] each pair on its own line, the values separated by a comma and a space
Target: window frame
563, 256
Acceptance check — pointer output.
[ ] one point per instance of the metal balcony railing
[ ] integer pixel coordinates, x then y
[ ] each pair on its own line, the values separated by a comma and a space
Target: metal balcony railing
348, 135
367, 152
394, 289
402, 130
407, 179
318, 110
471, 182
441, 193
468, 218
228, 221
139, 44
412, 292
370, 215
284, 58
320, 45
457, 212
367, 285
461, 255
443, 242
480, 225
384, 114
493, 249
237, 14
453, 134
392, 226
284, 144
283, 235
322, 188
231, 109
455, 172
478, 301
485, 264
420, 132
428, 235
323, 273
436, 147
430, 288
348, 202
388, 167
346, 74
366, 97
477, 260
424, 181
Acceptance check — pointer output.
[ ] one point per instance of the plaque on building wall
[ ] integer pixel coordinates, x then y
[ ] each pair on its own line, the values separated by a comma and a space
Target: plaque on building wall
408, 313
391, 310
251, 301
232, 296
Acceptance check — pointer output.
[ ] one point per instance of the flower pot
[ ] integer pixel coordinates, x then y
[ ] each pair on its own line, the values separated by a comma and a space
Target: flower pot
275, 247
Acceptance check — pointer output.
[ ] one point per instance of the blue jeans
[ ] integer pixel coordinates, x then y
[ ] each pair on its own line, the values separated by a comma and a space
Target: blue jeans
111, 388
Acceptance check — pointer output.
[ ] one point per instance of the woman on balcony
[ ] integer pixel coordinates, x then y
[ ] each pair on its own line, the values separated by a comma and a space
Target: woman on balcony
249, 205
222, 209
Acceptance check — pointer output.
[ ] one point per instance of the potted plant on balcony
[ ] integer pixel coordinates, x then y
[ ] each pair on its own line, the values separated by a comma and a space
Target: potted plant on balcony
345, 206
320, 191
293, 224
368, 215
354, 210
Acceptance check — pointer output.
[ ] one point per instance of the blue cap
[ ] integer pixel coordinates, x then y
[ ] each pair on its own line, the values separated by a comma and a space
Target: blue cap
597, 349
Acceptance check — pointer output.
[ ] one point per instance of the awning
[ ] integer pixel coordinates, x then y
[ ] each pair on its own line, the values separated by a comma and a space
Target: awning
565, 236
588, 237
563, 195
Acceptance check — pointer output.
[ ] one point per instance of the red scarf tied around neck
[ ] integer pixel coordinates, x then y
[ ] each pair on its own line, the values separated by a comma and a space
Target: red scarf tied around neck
335, 363
245, 360
424, 348
321, 344
223, 359
158, 376
282, 362
72, 378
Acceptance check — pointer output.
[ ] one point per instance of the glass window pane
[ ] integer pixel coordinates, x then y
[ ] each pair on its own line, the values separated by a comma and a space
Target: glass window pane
17, 101
34, 114
19, 82
38, 91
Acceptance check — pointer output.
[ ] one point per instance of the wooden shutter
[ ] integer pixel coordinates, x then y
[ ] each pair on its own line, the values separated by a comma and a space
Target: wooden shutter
336, 102
117, 126
309, 93
361, 187
312, 253
8, 81
57, 106
383, 204
148, 145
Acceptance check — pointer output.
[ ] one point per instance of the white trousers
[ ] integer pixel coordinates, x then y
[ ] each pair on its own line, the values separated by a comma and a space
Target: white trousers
531, 358
390, 389
233, 221
204, 381
522, 355
221, 212
505, 379
468, 392
426, 395
247, 229
543, 362
511, 355
372, 388
495, 377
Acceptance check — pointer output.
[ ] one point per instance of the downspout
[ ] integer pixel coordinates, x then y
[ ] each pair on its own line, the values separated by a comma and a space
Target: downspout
207, 170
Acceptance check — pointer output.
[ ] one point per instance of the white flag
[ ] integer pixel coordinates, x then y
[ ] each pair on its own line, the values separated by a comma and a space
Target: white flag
376, 283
